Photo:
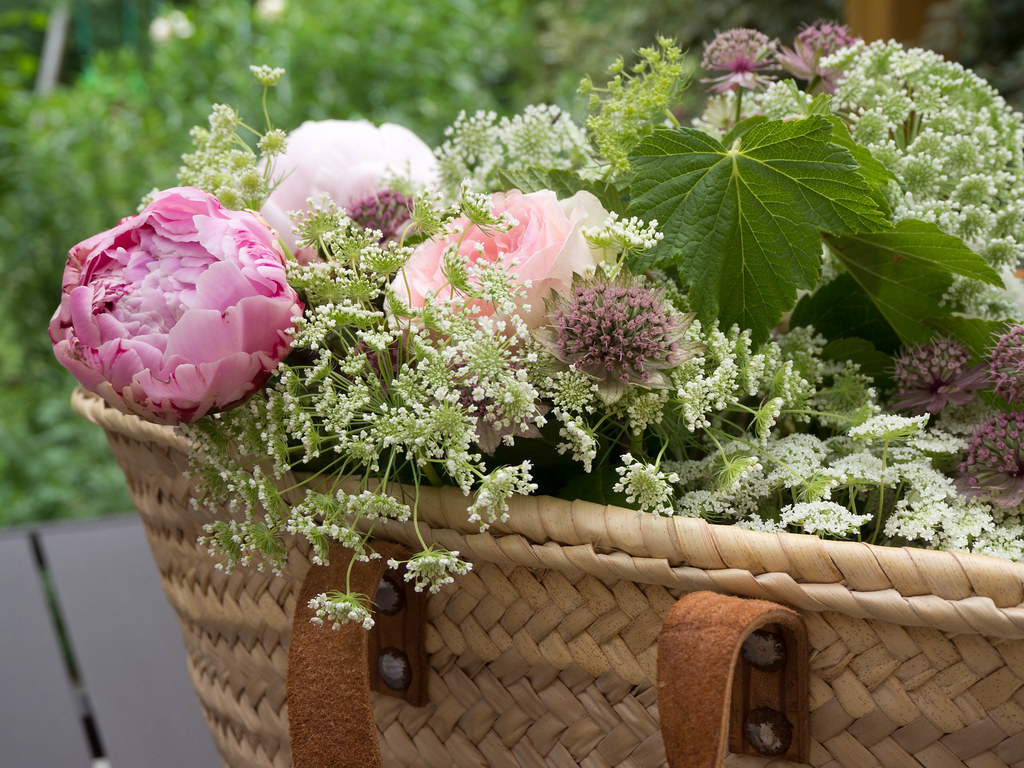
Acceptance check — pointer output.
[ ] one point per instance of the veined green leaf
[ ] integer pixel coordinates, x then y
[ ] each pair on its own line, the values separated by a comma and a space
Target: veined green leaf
841, 309
876, 174
872, 362
562, 182
907, 270
742, 224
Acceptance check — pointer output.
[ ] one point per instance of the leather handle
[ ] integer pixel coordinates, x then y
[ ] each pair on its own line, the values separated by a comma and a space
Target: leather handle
732, 673
330, 715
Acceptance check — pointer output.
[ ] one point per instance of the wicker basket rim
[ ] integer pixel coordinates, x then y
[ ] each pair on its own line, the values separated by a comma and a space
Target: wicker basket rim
595, 538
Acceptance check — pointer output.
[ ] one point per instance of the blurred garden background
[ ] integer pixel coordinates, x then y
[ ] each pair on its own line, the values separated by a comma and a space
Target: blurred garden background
97, 97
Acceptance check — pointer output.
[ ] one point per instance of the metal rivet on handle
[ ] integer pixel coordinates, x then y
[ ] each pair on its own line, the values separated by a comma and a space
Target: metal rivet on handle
394, 669
765, 650
389, 597
768, 731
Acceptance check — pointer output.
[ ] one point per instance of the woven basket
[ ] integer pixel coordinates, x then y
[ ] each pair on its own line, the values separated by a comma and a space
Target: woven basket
545, 654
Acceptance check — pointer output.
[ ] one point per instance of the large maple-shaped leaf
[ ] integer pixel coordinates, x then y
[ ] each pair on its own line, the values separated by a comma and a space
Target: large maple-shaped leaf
742, 224
907, 270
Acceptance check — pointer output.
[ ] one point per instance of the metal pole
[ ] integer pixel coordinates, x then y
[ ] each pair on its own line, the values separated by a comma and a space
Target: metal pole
53, 49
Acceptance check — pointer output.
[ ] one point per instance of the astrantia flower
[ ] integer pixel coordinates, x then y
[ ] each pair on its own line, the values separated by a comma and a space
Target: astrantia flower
619, 331
744, 55
1007, 365
930, 376
815, 42
995, 460
387, 211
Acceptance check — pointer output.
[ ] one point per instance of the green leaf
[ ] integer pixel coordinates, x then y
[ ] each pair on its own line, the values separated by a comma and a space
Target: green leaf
562, 182
876, 174
742, 225
841, 309
596, 487
742, 128
907, 270
872, 362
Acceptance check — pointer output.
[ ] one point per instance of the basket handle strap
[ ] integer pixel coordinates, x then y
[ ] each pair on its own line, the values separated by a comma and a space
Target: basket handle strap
732, 675
330, 715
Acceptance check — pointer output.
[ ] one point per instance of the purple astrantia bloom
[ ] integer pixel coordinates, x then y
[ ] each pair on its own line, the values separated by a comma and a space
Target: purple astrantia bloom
620, 331
930, 376
995, 460
1007, 365
746, 56
814, 43
388, 211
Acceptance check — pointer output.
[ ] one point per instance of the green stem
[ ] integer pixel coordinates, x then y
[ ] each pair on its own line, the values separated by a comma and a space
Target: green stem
881, 494
431, 475
266, 112
739, 105
415, 519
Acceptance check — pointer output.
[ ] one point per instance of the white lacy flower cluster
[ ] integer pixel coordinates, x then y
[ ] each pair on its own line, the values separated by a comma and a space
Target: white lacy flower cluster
947, 135
338, 608
730, 371
378, 400
226, 167
433, 569
728, 381
645, 485
628, 236
542, 136
883, 479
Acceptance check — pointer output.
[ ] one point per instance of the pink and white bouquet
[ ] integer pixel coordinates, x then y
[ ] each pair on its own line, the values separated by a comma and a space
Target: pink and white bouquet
793, 311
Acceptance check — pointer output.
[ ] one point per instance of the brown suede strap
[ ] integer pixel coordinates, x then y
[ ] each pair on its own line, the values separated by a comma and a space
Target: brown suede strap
700, 673
330, 715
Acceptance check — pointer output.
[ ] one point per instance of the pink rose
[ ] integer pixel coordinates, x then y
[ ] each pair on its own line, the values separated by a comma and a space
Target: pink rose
346, 160
177, 311
547, 242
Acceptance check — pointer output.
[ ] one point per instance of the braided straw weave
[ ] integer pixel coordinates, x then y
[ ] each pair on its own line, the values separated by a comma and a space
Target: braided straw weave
544, 655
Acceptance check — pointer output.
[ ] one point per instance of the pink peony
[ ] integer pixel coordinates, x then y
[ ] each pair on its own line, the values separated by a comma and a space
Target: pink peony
347, 160
547, 242
180, 310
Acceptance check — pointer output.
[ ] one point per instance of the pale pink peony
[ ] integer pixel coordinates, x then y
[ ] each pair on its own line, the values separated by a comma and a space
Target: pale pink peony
180, 310
349, 161
546, 241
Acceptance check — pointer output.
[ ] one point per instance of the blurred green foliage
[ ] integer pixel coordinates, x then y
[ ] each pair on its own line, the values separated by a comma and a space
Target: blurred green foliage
984, 35
76, 160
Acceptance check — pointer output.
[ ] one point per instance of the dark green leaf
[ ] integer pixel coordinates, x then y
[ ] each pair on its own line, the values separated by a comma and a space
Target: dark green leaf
821, 105
596, 487
841, 309
742, 225
907, 270
872, 362
562, 182
742, 128
876, 174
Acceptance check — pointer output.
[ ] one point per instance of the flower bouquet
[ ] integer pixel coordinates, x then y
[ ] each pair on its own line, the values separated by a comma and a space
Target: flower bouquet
576, 370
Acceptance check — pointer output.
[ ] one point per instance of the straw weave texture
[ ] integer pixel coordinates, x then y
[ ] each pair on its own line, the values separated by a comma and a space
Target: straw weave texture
544, 654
